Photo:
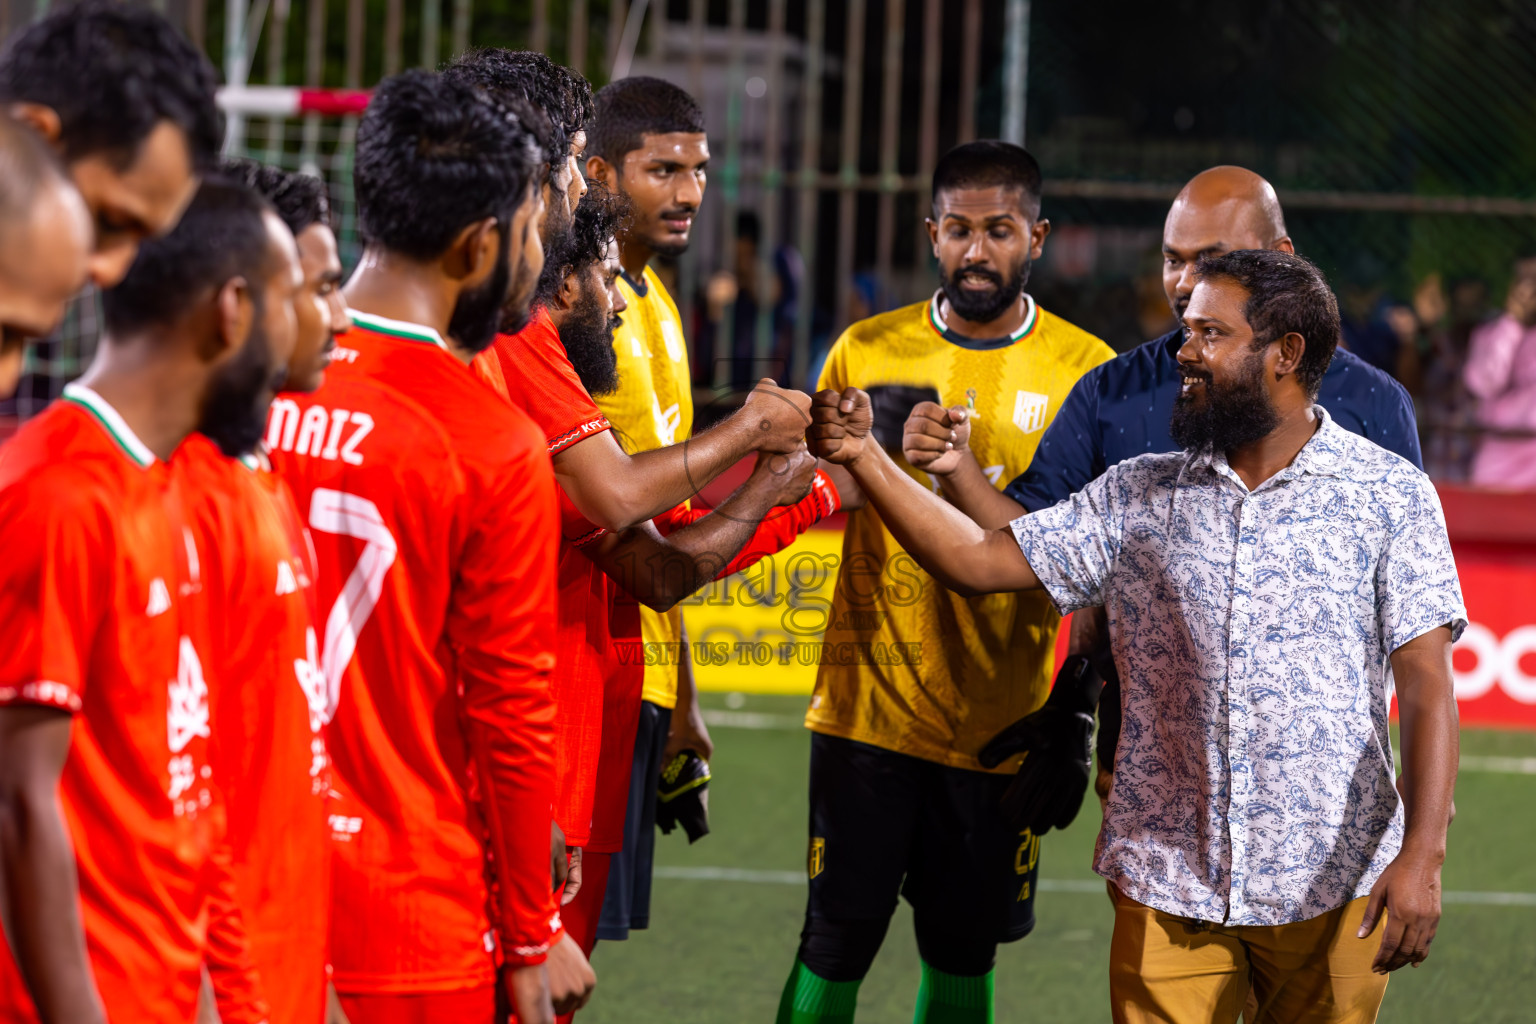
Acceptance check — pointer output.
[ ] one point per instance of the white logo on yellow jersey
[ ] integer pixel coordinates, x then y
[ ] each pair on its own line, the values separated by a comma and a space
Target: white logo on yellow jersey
1029, 411
667, 421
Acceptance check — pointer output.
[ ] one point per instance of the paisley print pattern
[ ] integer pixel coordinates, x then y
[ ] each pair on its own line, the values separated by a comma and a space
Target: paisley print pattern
1253, 631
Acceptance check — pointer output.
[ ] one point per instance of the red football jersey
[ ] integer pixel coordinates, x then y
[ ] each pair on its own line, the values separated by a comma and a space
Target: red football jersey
96, 593
269, 704
532, 371
431, 504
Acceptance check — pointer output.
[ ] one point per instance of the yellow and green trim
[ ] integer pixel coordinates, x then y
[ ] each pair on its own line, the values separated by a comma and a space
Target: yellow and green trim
937, 322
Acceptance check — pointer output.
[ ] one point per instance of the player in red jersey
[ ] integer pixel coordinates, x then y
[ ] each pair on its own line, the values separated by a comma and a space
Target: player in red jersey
269, 703
108, 805
432, 508
552, 368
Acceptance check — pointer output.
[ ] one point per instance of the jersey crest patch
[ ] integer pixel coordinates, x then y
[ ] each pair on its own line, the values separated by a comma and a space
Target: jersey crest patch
1029, 411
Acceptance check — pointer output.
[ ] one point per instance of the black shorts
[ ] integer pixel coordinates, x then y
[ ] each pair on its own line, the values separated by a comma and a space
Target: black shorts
627, 904
884, 823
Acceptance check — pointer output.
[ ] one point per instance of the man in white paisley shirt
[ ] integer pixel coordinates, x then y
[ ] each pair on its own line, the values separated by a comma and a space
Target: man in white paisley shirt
1266, 588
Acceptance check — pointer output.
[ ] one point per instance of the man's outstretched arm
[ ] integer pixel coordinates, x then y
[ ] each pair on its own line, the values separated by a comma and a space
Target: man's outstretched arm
661, 570
617, 491
945, 541
39, 896
937, 441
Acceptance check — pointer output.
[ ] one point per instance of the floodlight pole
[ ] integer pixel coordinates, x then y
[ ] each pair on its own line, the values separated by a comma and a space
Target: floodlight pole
1015, 70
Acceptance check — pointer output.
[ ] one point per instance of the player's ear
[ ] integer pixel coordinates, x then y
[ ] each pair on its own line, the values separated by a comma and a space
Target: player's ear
570, 291
1037, 235
471, 258
236, 307
42, 119
1288, 352
601, 170
933, 235
1284, 244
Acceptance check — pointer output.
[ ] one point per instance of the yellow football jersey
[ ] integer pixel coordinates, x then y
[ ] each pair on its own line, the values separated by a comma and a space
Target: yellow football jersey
652, 408
908, 665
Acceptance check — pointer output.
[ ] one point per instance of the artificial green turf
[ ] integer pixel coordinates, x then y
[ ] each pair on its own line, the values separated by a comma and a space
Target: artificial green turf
718, 952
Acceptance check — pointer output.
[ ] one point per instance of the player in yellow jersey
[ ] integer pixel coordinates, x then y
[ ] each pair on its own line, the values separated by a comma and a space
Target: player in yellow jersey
914, 680
648, 142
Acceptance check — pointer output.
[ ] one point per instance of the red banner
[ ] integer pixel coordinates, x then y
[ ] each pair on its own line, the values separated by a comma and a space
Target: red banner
1495, 660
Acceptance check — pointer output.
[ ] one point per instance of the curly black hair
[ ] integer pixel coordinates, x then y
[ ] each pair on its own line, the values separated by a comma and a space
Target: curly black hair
435, 155
1286, 294
113, 73
301, 199
599, 216
560, 93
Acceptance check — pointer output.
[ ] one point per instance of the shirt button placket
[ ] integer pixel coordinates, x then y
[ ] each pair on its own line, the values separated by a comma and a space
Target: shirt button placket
1238, 709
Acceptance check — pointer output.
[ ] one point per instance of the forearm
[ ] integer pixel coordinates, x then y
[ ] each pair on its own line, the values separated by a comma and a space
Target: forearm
969, 490
40, 908
954, 549
1431, 751
676, 566
510, 731
237, 987
664, 478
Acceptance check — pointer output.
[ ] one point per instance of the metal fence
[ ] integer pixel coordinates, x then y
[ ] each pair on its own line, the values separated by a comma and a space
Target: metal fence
1398, 134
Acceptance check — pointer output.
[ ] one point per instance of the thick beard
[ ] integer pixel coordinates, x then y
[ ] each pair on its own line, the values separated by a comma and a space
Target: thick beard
479, 313
588, 339
235, 411
1233, 415
981, 309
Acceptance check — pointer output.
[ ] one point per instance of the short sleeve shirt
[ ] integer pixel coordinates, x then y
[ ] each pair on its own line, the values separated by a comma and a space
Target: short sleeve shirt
1122, 409
98, 591
1253, 632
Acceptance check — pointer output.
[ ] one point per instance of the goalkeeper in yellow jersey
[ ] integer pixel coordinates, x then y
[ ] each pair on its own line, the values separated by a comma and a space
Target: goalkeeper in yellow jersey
914, 680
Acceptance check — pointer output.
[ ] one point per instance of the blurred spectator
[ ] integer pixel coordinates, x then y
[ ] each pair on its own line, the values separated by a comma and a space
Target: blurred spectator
737, 293
1436, 333
1501, 373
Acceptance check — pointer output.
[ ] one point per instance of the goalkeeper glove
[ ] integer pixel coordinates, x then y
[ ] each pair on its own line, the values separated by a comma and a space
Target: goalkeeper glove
891, 406
1048, 790
682, 798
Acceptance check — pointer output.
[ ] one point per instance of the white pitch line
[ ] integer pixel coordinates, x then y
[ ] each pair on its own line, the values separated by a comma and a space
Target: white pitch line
1080, 885
762, 720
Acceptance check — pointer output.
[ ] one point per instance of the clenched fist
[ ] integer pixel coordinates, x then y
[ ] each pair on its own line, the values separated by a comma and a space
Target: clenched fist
840, 424
779, 416
935, 438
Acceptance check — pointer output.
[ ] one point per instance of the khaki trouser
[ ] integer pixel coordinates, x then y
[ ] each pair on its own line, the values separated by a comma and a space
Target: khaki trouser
1168, 970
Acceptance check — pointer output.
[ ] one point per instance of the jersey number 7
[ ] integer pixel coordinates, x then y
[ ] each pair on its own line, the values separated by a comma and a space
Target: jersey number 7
349, 515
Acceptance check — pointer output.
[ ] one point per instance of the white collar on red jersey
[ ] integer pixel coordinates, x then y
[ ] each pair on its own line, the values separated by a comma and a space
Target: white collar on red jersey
112, 422
397, 328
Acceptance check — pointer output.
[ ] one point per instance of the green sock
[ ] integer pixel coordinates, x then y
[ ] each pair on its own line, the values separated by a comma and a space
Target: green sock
952, 999
810, 999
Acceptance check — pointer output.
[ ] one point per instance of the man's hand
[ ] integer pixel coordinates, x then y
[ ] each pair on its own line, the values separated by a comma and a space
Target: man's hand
788, 476
778, 416
1048, 790
936, 439
840, 425
1409, 890
527, 990
559, 862
571, 978
572, 876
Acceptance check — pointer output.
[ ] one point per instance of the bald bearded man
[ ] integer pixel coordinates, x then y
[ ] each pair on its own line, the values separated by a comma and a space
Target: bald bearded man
45, 242
1122, 408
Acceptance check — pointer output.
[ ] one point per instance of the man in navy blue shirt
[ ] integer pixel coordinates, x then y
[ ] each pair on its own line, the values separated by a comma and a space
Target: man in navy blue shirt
1122, 408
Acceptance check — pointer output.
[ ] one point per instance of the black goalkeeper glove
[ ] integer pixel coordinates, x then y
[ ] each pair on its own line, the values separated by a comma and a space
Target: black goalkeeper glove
890, 407
1048, 790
